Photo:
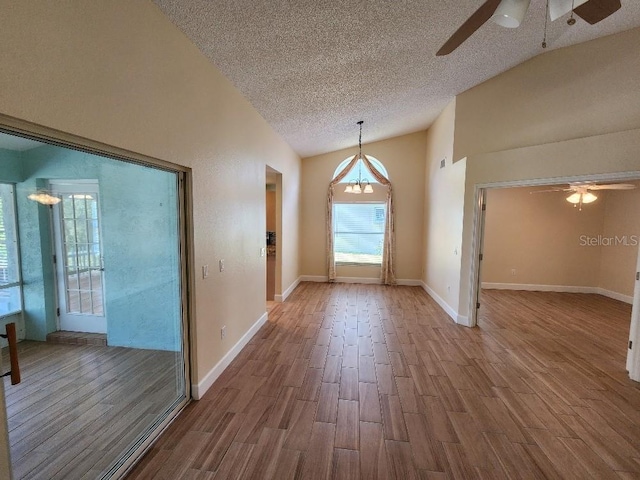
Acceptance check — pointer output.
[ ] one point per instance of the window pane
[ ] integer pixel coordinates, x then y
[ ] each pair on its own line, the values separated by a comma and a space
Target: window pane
10, 300
359, 232
359, 166
10, 297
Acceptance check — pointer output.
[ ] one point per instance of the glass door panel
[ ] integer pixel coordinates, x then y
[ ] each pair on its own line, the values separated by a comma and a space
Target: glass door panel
79, 249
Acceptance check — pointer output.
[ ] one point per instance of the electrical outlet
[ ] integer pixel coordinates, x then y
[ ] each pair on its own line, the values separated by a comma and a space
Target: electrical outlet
205, 271
221, 264
223, 332
513, 272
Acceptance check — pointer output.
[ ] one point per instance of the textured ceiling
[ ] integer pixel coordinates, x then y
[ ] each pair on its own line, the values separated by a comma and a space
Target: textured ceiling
313, 68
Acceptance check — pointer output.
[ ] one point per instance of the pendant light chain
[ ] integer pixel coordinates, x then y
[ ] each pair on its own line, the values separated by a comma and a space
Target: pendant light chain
359, 186
546, 18
360, 153
572, 20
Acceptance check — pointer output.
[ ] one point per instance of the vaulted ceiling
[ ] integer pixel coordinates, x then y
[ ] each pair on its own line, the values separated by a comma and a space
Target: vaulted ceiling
313, 68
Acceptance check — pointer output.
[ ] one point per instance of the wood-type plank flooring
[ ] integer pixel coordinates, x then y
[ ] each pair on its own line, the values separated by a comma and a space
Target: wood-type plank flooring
80, 406
373, 382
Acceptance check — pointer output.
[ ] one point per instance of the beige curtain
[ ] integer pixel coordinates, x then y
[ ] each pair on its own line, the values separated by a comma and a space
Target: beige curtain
387, 274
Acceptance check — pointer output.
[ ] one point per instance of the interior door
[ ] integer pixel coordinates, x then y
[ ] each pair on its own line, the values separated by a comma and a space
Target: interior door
79, 257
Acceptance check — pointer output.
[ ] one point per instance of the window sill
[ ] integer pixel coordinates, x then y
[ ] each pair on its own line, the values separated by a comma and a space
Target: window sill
354, 264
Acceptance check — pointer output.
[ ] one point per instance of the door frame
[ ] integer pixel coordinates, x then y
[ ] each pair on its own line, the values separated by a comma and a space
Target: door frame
478, 240
58, 266
14, 126
278, 294
477, 233
633, 354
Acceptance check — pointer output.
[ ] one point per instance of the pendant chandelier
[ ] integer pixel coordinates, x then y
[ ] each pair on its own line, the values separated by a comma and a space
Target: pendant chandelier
361, 185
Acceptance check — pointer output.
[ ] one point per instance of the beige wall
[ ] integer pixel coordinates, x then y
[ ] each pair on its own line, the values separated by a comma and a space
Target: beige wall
119, 72
587, 89
581, 119
538, 236
403, 157
443, 208
618, 261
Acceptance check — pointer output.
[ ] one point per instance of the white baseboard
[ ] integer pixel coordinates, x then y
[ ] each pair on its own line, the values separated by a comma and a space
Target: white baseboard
558, 288
409, 282
314, 278
538, 288
287, 292
616, 296
197, 391
365, 280
444, 305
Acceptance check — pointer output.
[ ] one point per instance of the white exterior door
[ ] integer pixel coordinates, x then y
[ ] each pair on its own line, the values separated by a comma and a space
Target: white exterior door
79, 262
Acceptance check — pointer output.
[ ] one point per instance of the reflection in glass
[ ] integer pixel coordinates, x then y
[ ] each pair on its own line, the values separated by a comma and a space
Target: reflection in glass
118, 261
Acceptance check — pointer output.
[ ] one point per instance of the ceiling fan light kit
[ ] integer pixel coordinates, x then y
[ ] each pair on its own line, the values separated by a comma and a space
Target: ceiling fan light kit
581, 194
579, 198
510, 13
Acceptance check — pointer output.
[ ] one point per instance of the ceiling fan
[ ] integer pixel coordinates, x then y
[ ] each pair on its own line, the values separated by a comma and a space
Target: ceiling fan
581, 193
509, 13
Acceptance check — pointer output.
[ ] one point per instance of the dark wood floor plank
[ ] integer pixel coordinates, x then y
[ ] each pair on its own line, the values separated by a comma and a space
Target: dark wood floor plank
423, 444
348, 425
373, 452
369, 403
346, 465
349, 384
319, 456
393, 419
299, 430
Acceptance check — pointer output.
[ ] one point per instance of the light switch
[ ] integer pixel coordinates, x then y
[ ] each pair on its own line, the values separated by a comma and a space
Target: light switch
262, 251
205, 271
221, 263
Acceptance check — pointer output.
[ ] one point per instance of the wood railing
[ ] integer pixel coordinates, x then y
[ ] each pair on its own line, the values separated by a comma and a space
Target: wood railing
13, 353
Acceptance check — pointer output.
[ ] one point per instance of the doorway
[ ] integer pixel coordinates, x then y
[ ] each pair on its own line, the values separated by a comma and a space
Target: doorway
273, 221
528, 237
79, 261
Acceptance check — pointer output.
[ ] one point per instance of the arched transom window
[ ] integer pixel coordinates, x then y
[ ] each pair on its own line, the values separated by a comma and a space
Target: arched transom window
352, 176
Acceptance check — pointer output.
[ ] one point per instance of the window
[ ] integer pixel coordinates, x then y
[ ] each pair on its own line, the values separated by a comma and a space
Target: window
358, 233
352, 176
10, 284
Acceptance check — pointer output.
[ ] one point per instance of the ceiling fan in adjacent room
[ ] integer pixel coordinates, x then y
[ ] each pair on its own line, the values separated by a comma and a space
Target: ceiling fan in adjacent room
510, 13
581, 193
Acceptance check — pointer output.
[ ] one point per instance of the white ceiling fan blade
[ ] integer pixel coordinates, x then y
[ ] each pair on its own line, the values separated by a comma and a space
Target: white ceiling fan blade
613, 186
558, 8
552, 190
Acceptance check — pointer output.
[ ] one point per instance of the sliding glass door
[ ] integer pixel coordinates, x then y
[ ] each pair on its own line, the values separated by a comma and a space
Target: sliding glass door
103, 325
